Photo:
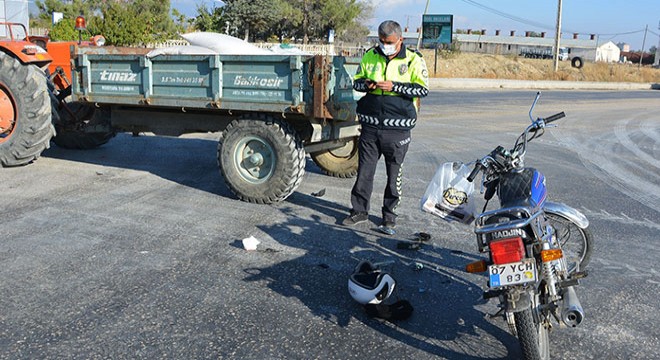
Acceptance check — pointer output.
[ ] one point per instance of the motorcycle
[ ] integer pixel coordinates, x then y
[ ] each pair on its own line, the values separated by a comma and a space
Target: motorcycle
537, 249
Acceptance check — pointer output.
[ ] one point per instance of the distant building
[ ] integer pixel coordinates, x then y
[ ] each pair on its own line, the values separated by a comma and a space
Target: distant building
513, 45
608, 52
623, 47
510, 44
14, 11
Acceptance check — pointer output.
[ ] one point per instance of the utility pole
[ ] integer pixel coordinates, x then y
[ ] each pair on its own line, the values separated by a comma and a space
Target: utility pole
657, 51
641, 56
555, 55
419, 38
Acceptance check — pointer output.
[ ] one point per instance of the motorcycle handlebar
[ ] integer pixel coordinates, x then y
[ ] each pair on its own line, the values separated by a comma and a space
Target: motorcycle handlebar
474, 172
554, 117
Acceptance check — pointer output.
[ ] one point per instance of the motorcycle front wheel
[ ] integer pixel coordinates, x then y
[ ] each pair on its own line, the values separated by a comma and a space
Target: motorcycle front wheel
532, 335
576, 243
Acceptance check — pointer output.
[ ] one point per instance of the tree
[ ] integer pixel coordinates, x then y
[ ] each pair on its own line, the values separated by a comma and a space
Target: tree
70, 10
122, 22
120, 28
210, 19
306, 20
64, 30
253, 18
356, 31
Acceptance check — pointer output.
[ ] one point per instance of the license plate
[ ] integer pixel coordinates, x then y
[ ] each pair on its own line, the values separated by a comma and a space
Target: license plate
513, 273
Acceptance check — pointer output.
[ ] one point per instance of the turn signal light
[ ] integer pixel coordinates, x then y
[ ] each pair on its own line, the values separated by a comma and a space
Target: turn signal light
551, 254
476, 267
98, 40
507, 251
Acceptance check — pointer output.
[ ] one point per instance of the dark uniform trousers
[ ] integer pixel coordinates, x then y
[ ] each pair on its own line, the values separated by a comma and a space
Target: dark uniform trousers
392, 144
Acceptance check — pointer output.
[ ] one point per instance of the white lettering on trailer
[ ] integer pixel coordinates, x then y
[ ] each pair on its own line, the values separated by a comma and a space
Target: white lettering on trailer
275, 82
118, 76
114, 88
182, 80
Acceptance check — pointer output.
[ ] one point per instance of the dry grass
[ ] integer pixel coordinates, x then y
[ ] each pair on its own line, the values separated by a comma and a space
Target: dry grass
485, 66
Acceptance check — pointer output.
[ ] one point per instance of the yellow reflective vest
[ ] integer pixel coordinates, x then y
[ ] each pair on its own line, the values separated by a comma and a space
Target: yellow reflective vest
397, 108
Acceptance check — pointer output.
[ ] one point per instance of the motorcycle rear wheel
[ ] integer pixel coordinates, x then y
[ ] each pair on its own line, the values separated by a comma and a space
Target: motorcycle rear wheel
576, 243
532, 335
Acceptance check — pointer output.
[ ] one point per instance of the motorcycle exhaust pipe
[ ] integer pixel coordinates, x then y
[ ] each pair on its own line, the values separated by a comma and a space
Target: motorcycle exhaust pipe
571, 313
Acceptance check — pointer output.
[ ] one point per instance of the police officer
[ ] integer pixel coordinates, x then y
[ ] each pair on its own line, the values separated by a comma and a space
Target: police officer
393, 78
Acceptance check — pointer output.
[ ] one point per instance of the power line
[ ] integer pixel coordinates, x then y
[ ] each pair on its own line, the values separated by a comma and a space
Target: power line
624, 33
508, 16
538, 24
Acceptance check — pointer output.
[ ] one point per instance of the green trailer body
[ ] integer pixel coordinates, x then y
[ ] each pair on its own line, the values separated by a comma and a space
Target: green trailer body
270, 110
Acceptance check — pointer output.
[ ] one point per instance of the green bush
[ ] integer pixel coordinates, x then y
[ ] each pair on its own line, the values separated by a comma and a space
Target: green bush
64, 30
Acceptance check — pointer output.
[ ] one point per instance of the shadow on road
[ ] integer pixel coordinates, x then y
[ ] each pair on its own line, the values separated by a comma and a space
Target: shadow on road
190, 162
445, 322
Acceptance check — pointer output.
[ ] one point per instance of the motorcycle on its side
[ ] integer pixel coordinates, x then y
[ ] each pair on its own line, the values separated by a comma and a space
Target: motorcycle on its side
537, 250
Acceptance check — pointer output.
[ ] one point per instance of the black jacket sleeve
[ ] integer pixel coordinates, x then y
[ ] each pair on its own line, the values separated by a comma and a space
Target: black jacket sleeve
360, 85
410, 90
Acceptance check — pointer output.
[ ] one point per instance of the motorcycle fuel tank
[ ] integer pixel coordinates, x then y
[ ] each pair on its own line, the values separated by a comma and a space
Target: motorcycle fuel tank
522, 187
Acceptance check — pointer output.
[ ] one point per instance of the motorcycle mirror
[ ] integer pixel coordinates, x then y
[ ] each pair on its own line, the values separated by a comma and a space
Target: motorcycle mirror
538, 95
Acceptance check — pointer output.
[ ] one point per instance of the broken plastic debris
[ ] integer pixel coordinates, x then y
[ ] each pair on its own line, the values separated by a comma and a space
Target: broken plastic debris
422, 236
250, 243
320, 193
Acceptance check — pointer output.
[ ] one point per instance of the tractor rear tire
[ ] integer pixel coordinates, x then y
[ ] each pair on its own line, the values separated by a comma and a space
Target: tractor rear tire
25, 112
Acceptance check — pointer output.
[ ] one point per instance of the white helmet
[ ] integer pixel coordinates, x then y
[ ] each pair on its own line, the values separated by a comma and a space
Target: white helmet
368, 285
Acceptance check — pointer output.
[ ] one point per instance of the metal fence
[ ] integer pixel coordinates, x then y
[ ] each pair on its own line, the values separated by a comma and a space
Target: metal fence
320, 49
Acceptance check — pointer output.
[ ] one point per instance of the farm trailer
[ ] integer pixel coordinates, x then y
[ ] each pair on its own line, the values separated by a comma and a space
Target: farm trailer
270, 110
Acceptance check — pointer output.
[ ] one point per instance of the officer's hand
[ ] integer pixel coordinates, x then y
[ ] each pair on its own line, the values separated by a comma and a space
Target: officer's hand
371, 85
385, 85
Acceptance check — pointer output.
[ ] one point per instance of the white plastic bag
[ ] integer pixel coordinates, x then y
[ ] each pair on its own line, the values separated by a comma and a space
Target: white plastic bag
450, 195
224, 44
181, 50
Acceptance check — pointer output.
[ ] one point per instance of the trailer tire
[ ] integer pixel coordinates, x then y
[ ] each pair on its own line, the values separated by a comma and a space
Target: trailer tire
577, 62
341, 162
25, 112
261, 159
84, 127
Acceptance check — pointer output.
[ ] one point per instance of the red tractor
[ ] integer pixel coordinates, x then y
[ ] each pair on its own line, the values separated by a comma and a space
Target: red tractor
35, 78
25, 104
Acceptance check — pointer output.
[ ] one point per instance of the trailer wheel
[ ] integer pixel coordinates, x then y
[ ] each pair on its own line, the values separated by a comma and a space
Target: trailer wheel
83, 126
25, 118
341, 162
577, 62
261, 159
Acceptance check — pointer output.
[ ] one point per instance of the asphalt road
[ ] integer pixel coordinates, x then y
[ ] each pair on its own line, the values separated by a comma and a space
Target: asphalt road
132, 250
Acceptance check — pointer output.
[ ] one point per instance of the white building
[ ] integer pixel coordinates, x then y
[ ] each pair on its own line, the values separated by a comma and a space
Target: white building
510, 44
608, 52
14, 11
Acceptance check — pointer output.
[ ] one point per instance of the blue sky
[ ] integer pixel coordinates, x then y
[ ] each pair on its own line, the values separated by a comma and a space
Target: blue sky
610, 19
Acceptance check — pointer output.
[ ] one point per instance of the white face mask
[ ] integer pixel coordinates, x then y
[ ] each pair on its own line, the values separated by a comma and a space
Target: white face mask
388, 49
